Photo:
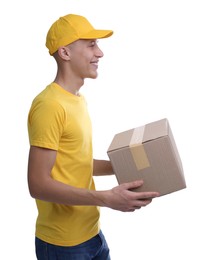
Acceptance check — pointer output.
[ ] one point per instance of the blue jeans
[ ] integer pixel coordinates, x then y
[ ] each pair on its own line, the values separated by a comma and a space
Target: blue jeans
94, 249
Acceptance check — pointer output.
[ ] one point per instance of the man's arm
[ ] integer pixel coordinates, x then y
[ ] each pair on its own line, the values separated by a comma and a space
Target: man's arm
102, 167
43, 187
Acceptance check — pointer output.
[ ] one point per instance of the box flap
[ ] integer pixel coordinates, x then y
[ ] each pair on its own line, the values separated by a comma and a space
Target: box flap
140, 134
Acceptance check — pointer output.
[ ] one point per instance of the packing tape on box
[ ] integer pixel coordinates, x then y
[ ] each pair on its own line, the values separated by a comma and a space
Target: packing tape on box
137, 149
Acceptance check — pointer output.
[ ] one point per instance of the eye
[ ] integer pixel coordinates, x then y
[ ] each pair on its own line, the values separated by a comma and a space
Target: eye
93, 43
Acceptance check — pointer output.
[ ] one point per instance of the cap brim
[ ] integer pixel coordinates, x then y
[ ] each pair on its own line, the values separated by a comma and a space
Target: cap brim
97, 34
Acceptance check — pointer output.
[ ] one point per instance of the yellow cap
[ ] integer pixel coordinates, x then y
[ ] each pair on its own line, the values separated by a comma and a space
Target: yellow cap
70, 28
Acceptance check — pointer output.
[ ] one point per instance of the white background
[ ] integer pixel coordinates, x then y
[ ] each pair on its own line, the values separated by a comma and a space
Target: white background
159, 63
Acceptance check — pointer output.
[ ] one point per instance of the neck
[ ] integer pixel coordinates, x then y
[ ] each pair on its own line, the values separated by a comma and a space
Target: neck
71, 85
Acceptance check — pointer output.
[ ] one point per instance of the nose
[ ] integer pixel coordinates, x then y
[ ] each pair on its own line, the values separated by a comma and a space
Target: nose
99, 53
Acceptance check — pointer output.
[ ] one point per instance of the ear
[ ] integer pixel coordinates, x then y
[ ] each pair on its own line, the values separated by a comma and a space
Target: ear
64, 53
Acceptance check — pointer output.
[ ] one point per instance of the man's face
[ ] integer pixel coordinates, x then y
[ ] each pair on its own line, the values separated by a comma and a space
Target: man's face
85, 55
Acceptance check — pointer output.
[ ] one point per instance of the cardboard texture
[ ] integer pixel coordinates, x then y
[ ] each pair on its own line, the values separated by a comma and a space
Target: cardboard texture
148, 152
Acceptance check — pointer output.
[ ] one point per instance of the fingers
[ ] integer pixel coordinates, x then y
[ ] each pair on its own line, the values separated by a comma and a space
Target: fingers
142, 203
140, 195
133, 184
146, 195
139, 205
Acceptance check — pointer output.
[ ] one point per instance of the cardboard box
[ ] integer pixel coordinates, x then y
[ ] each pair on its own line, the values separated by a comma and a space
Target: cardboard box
148, 152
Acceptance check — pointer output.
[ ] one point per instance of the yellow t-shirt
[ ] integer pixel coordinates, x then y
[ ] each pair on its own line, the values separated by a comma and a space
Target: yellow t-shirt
59, 120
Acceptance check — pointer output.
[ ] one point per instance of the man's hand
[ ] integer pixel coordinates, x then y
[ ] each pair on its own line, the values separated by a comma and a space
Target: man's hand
123, 199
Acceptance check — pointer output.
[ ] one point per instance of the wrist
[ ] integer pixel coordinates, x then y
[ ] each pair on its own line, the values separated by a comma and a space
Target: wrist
100, 198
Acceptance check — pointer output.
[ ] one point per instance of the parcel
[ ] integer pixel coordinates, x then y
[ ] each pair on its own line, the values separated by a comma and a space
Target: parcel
148, 152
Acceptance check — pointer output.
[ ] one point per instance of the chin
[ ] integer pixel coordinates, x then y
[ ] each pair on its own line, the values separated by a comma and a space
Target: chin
93, 75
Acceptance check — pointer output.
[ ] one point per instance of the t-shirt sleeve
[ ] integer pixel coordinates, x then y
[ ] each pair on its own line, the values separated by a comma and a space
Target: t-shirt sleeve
46, 122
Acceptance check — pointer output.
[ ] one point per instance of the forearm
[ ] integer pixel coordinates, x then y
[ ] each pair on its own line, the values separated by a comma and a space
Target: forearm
102, 167
57, 192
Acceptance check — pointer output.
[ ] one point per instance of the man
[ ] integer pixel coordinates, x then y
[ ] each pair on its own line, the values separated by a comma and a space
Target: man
61, 164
